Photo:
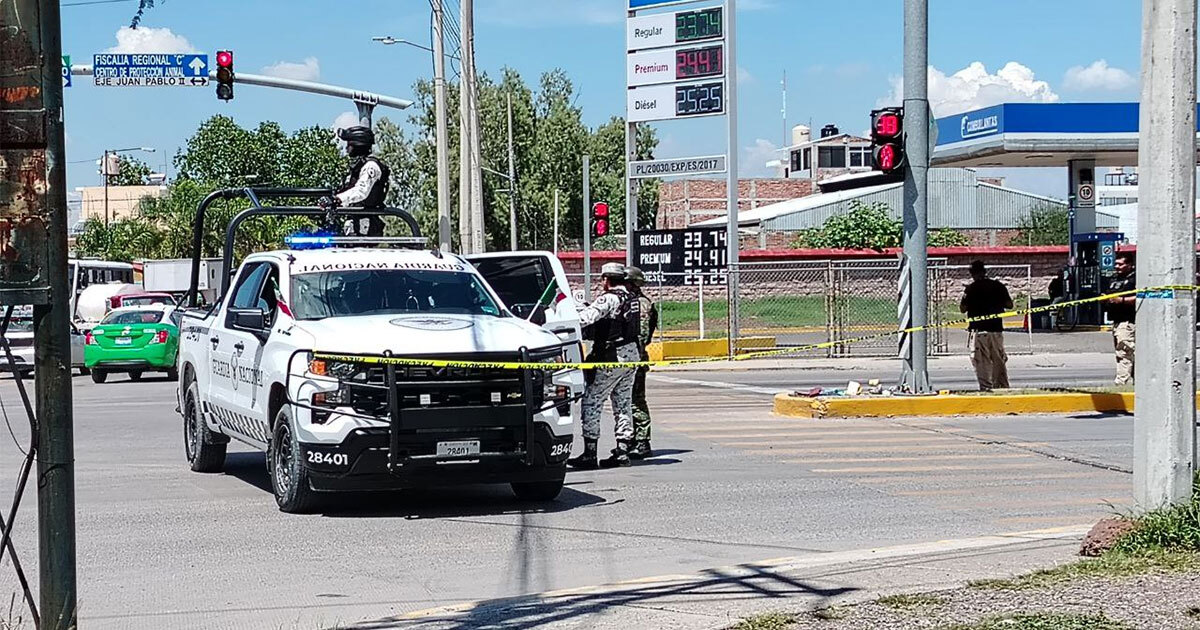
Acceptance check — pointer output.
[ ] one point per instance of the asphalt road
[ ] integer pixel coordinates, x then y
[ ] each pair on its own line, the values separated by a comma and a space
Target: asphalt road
160, 546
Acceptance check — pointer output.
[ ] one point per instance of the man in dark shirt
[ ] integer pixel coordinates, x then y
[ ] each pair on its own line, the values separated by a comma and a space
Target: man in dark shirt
1122, 311
986, 296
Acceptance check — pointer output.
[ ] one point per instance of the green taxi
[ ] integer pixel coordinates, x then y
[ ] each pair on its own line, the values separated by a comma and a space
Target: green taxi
134, 340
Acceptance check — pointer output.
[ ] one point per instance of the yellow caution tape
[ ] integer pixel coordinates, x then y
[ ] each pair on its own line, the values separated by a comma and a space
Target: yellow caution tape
1160, 292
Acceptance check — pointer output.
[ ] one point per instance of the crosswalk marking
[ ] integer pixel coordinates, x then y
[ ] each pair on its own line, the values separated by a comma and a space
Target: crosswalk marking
921, 458
918, 469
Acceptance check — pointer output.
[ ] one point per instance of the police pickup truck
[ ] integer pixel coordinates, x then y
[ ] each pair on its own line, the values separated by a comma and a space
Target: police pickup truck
298, 359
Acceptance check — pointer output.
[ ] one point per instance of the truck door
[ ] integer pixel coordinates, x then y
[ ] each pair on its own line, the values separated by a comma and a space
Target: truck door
521, 279
235, 357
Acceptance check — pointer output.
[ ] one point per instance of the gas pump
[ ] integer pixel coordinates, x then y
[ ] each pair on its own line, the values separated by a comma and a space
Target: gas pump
1092, 271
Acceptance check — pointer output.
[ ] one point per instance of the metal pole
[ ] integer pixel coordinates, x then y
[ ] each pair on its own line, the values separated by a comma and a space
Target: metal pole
52, 360
700, 295
443, 142
916, 212
104, 174
512, 184
556, 222
631, 191
731, 180
1164, 440
587, 228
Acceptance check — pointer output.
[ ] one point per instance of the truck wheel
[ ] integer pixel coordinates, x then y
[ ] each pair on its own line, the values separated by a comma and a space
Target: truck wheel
289, 478
538, 490
99, 376
205, 452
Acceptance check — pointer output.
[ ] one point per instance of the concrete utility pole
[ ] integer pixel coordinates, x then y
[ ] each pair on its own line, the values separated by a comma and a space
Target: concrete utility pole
443, 148
471, 121
512, 184
466, 214
731, 180
916, 184
1164, 440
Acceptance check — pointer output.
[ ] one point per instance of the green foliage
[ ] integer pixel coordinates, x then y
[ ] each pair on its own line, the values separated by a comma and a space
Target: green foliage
912, 602
132, 172
1168, 529
866, 226
1046, 224
1045, 621
1113, 564
767, 621
946, 237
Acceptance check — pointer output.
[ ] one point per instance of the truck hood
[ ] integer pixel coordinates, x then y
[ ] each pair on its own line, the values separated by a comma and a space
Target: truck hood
409, 335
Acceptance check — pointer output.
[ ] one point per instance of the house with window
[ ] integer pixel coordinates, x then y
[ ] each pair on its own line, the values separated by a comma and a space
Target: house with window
831, 155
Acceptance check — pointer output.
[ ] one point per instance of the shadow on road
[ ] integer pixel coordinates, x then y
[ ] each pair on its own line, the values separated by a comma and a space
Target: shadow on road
451, 502
714, 585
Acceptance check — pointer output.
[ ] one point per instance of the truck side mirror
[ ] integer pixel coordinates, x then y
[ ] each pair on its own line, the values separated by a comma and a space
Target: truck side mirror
247, 319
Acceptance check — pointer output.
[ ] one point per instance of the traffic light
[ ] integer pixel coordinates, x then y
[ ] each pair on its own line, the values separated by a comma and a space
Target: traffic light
225, 75
599, 219
887, 139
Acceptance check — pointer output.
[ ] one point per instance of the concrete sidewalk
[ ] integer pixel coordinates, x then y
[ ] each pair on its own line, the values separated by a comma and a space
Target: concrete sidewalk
885, 365
719, 597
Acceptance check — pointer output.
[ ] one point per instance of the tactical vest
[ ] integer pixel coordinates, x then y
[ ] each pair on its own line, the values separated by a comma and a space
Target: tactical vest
620, 329
378, 195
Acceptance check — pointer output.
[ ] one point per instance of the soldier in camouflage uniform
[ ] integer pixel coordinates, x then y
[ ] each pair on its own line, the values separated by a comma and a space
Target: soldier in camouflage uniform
641, 408
611, 322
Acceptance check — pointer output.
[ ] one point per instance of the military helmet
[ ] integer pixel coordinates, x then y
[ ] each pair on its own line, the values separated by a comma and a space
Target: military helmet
357, 134
613, 270
635, 275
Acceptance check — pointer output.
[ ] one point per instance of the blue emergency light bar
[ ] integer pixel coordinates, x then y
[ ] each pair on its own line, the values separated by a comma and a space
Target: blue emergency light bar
309, 240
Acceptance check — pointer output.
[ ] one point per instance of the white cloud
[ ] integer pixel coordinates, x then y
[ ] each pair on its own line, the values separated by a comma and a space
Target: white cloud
1097, 77
150, 40
754, 159
307, 70
744, 77
973, 87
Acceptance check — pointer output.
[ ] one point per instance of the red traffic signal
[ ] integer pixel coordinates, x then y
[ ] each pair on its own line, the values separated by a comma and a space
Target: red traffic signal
599, 219
225, 75
887, 139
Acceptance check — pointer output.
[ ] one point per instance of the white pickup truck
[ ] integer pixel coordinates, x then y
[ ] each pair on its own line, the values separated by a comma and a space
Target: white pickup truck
248, 371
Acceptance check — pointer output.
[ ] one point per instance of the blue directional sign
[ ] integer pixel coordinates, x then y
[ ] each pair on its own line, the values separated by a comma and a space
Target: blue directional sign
66, 70
150, 70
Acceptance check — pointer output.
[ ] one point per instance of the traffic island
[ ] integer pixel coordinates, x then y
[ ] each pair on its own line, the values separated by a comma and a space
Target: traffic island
1016, 402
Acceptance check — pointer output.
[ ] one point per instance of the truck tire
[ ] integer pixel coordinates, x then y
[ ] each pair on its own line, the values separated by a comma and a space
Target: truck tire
289, 477
99, 376
205, 450
539, 490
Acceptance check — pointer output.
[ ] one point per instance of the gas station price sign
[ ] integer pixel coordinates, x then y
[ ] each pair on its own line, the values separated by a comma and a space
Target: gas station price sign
700, 99
694, 26
682, 257
697, 63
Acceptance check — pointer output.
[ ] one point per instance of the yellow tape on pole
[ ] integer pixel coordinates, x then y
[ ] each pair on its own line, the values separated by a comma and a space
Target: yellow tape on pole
1160, 292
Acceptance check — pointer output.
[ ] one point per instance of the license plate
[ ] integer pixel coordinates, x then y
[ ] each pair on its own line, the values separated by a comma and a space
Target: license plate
123, 341
458, 449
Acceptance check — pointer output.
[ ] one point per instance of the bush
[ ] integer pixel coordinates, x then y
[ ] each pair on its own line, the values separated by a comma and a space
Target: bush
866, 226
946, 237
1044, 225
1175, 528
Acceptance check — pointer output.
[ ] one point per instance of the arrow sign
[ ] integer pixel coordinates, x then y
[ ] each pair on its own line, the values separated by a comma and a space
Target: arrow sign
197, 65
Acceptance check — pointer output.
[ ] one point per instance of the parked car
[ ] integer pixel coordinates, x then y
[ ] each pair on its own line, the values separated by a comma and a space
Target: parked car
134, 340
20, 339
145, 298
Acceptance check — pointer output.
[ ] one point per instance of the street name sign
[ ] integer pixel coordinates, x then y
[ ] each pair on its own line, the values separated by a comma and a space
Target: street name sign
682, 257
706, 165
150, 70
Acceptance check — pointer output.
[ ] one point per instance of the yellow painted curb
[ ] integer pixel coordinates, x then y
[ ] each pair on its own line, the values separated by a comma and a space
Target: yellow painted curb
700, 348
950, 405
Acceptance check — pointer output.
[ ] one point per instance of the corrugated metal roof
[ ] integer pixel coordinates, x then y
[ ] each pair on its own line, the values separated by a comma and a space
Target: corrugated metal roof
956, 200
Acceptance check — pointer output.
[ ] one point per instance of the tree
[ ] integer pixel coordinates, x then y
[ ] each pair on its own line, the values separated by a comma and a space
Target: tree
946, 237
1046, 224
866, 226
130, 172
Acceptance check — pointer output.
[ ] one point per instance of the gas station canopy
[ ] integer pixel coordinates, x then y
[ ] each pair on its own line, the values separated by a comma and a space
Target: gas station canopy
1039, 134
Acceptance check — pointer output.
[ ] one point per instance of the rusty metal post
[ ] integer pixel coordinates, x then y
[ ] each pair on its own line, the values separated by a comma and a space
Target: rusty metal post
33, 251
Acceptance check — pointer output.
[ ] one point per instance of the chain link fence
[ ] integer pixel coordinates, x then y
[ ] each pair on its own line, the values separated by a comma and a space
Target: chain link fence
795, 304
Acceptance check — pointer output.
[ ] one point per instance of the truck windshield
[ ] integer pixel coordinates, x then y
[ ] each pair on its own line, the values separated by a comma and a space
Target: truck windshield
388, 292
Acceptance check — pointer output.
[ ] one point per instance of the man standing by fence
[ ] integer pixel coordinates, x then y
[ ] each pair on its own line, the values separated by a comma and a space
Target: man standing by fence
987, 296
1123, 311
641, 407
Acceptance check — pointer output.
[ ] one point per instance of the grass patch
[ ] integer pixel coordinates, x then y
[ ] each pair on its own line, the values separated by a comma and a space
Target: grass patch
1044, 621
832, 613
1171, 529
767, 621
920, 601
1108, 565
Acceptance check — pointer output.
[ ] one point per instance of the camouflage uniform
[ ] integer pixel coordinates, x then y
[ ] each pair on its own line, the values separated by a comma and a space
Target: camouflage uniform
641, 408
614, 384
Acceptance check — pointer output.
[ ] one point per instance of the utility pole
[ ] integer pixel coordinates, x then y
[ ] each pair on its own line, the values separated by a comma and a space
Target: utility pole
466, 215
32, 160
512, 184
786, 139
914, 269
731, 179
443, 149
474, 172
556, 222
105, 174
1164, 438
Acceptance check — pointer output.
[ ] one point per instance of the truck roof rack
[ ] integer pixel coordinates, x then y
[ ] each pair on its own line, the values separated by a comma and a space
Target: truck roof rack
257, 209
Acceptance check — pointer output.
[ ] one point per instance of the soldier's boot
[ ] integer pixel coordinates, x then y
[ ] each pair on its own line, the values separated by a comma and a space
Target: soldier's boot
586, 459
619, 457
640, 450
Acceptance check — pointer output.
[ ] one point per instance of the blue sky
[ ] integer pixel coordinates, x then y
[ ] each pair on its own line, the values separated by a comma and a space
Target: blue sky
841, 58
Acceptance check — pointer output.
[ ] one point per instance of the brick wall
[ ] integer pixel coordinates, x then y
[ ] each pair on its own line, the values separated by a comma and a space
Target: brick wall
684, 202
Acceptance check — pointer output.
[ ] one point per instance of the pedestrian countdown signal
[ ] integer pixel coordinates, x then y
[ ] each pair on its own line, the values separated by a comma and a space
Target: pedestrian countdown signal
887, 139
599, 219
